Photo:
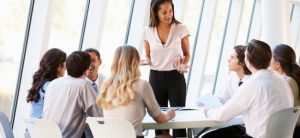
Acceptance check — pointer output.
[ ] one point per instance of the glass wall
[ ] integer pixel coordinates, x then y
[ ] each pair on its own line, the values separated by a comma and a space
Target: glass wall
66, 24
13, 20
191, 9
245, 22
214, 47
295, 28
191, 14
114, 31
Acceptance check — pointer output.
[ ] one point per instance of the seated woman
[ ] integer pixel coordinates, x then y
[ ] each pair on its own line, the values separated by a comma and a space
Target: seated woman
125, 96
52, 66
284, 62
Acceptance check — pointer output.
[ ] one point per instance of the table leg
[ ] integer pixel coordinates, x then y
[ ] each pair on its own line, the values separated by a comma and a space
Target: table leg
189, 133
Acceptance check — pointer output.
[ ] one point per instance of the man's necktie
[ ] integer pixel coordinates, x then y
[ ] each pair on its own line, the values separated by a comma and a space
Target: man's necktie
95, 87
240, 82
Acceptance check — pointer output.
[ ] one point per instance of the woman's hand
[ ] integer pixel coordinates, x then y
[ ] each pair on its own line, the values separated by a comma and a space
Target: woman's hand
177, 61
146, 61
177, 64
183, 68
164, 117
170, 114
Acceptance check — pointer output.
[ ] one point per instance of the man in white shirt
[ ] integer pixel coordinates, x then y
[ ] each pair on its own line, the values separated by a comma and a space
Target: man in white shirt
263, 94
69, 100
94, 77
240, 74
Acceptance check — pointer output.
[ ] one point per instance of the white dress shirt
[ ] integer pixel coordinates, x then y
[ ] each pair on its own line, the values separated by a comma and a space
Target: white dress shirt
99, 81
231, 87
263, 94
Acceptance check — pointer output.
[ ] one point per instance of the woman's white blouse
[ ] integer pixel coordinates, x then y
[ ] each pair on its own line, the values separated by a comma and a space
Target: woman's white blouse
162, 55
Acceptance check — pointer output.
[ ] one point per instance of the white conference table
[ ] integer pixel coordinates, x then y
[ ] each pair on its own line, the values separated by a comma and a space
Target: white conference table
188, 118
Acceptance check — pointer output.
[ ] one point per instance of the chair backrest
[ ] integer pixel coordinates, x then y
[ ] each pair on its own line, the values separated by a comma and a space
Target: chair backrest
5, 127
41, 128
110, 128
281, 124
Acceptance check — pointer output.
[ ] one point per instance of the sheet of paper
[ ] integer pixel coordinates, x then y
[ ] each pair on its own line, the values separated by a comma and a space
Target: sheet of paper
209, 101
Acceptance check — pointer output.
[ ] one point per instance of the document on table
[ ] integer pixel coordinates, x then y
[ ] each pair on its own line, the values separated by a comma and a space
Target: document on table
209, 101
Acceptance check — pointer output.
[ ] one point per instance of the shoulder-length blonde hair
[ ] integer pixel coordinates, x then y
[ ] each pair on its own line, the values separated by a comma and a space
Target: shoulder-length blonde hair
117, 90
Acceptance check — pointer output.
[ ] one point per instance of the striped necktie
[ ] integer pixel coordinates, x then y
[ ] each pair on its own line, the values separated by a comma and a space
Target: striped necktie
95, 87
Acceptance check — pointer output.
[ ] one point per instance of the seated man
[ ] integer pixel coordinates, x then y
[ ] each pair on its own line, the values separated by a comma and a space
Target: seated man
94, 77
69, 100
240, 73
263, 94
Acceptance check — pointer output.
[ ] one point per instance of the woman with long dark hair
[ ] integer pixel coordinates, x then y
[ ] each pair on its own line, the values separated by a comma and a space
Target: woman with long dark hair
52, 66
284, 62
166, 43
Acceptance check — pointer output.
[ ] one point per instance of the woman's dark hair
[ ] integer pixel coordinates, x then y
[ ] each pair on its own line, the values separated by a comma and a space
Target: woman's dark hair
259, 54
154, 7
47, 71
77, 63
240, 51
286, 56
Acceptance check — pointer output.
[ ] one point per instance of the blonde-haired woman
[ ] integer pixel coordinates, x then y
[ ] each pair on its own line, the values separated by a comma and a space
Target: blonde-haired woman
125, 96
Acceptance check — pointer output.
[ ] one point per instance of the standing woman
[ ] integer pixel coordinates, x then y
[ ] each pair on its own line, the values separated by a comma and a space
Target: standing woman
52, 66
284, 62
125, 96
167, 52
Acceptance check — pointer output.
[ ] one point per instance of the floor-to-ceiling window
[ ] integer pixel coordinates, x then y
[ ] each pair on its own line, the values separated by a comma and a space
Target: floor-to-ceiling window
13, 20
214, 46
211, 23
295, 27
114, 30
52, 23
66, 24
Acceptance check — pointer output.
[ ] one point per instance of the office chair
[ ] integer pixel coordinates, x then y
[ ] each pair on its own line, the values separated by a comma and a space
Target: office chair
41, 128
5, 127
110, 128
281, 124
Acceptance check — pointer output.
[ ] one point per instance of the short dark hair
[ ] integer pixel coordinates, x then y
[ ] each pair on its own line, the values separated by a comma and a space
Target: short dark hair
240, 51
89, 50
154, 7
259, 54
77, 63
